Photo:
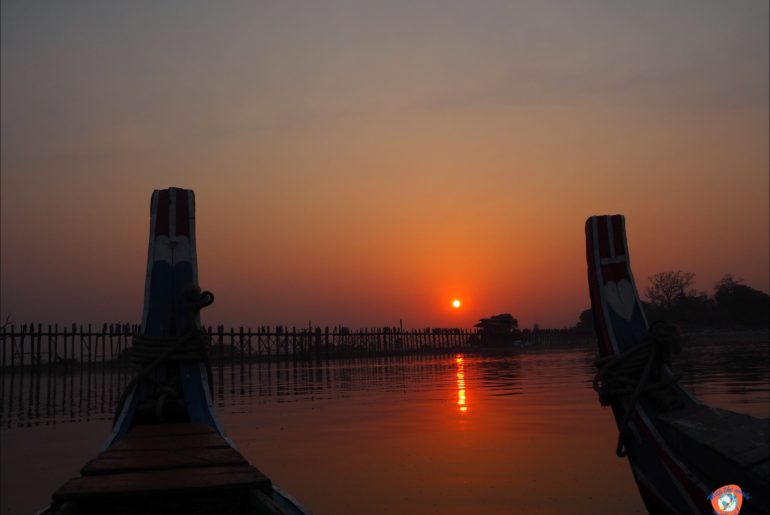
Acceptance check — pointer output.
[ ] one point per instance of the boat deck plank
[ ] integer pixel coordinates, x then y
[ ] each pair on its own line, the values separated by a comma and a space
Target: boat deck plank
165, 459
113, 462
163, 430
763, 470
743, 439
167, 482
152, 443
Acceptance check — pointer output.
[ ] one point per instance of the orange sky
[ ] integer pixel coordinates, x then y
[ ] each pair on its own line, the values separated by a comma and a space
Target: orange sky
365, 163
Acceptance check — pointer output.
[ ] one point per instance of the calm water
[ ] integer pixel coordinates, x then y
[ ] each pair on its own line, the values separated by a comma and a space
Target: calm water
461, 434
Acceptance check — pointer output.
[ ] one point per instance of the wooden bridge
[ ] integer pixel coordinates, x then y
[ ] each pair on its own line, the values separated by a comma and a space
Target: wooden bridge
37, 347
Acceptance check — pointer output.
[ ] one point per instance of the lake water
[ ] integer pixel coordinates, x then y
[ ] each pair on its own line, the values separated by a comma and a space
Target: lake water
520, 432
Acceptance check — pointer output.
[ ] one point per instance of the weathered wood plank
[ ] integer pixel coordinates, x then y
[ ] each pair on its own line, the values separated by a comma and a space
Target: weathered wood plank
114, 462
740, 438
191, 428
166, 482
150, 443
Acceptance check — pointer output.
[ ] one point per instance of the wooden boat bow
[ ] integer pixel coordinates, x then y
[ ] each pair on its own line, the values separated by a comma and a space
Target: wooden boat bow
679, 449
167, 452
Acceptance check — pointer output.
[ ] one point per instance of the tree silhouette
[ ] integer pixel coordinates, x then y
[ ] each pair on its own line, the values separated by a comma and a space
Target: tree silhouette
741, 305
586, 320
666, 288
727, 284
498, 329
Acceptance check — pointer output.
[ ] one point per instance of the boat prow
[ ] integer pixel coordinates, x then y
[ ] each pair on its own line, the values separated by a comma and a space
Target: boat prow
680, 450
167, 452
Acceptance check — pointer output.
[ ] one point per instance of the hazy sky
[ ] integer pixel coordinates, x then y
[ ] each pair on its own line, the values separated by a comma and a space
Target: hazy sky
364, 162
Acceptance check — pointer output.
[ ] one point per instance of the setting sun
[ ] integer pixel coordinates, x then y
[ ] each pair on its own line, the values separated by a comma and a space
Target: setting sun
456, 303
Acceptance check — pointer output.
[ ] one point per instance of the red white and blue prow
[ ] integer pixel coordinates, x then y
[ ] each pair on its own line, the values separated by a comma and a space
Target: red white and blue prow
680, 453
172, 269
620, 316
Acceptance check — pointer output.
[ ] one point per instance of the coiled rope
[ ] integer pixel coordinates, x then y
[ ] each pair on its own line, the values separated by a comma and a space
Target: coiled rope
637, 371
149, 352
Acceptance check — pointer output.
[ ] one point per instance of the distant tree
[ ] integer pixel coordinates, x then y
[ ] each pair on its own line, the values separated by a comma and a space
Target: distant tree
694, 309
586, 320
653, 312
498, 329
727, 284
666, 288
741, 305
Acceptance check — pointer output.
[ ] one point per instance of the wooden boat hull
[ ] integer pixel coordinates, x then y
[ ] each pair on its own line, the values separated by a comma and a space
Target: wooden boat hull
676, 470
167, 452
172, 265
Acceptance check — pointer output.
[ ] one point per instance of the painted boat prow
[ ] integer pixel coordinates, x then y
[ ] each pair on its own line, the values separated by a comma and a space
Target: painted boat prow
172, 268
618, 311
172, 301
675, 466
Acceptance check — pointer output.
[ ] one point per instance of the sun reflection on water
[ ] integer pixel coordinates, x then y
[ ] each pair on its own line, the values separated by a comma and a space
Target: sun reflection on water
461, 399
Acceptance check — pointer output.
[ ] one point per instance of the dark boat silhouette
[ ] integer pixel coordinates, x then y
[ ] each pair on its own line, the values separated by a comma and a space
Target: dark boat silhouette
167, 452
679, 449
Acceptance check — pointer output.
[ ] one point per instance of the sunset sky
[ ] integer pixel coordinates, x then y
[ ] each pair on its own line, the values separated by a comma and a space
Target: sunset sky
364, 162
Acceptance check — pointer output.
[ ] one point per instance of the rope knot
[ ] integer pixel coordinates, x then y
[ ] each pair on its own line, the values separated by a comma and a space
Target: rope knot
641, 369
667, 340
149, 352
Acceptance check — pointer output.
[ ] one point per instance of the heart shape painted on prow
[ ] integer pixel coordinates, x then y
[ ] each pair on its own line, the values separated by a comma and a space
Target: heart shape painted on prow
621, 298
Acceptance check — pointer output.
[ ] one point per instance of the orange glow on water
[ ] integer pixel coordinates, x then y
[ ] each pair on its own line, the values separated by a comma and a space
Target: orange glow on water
462, 400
